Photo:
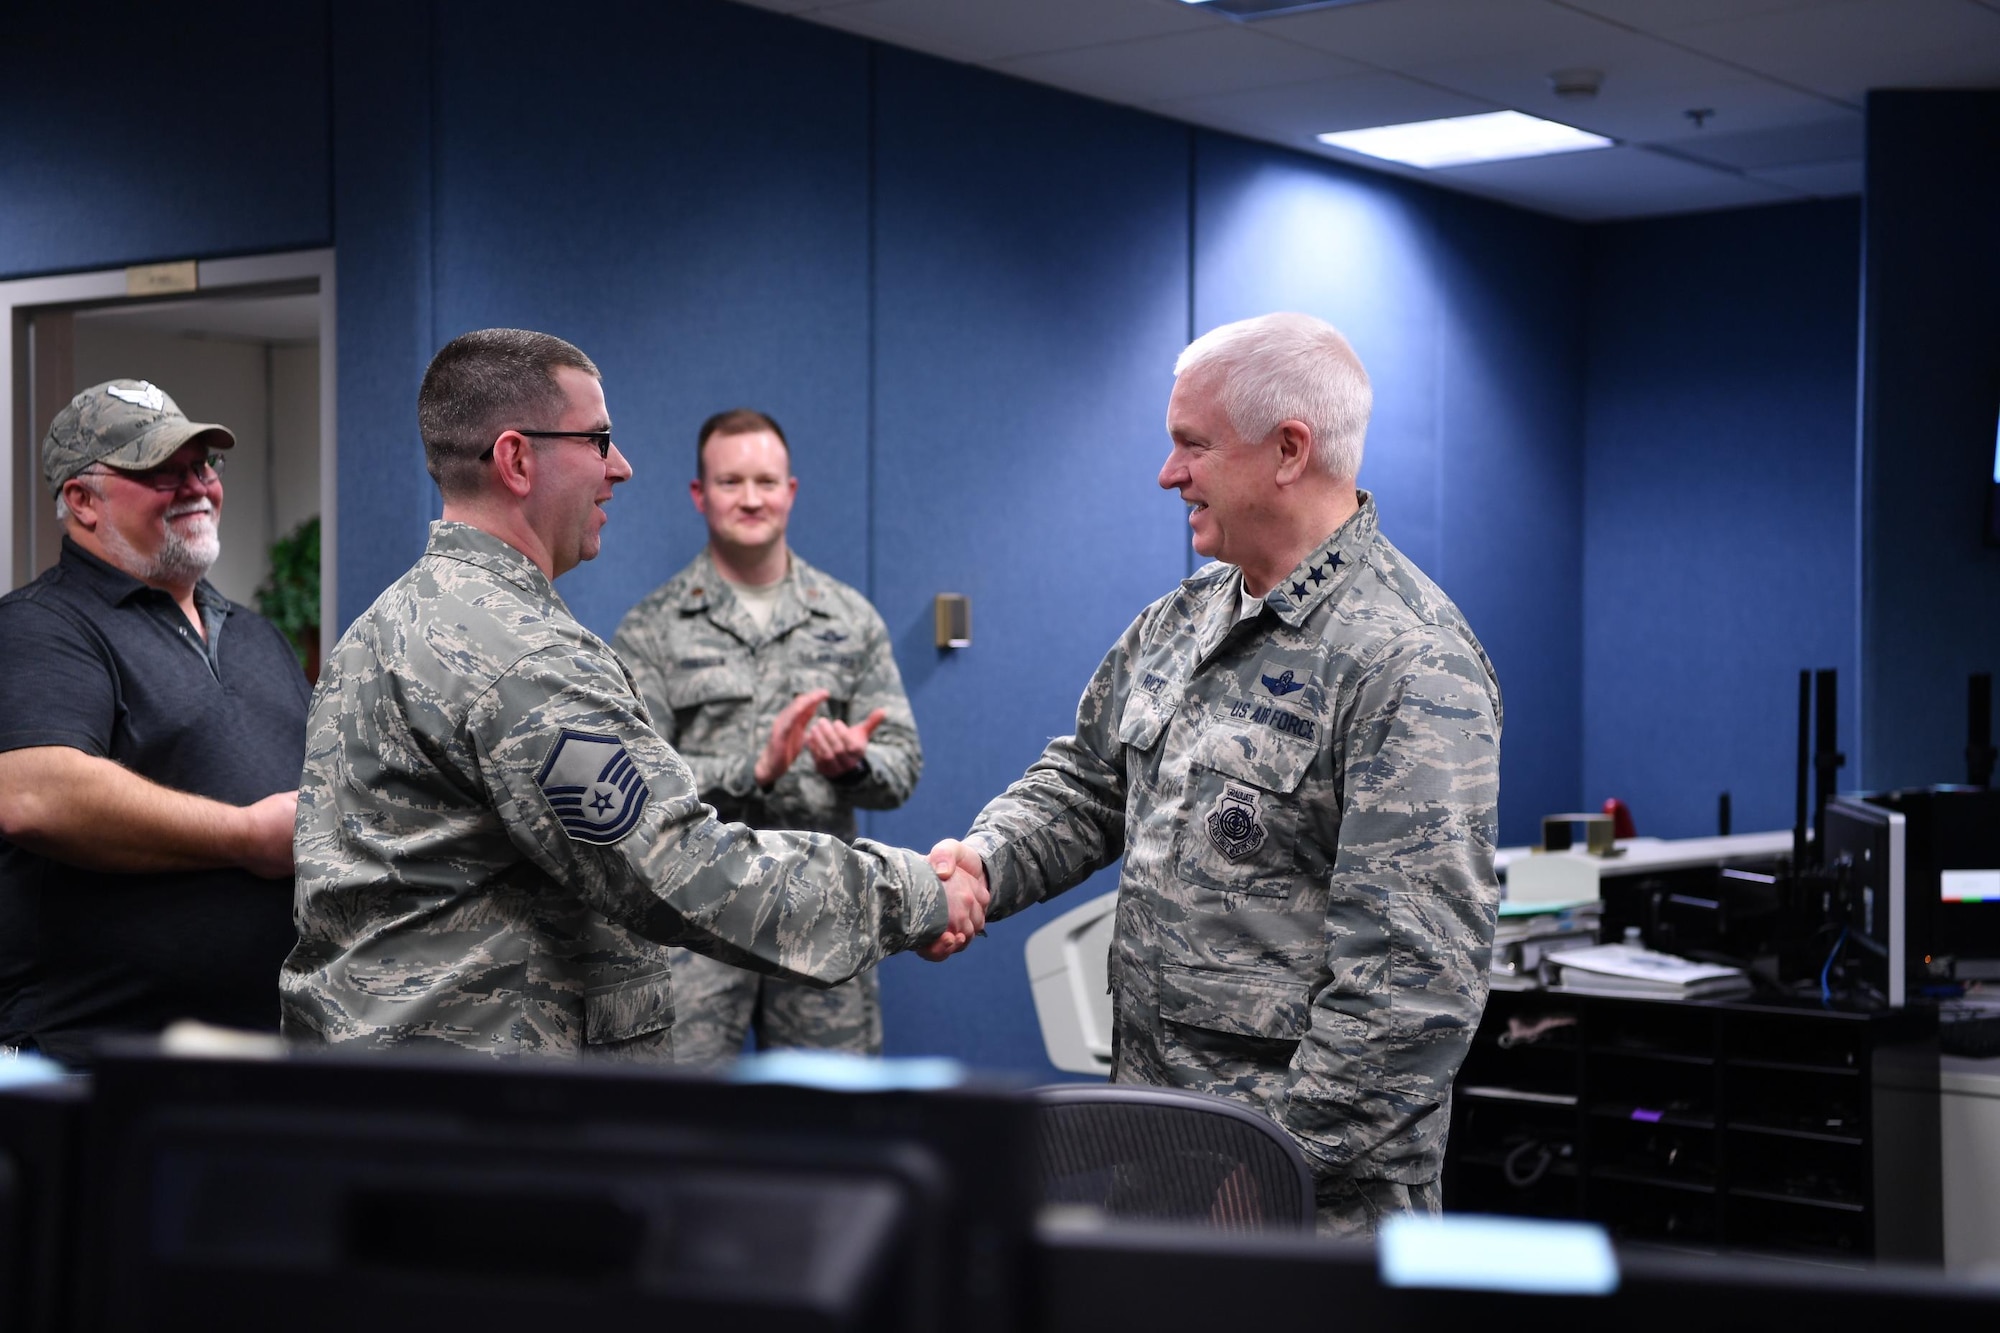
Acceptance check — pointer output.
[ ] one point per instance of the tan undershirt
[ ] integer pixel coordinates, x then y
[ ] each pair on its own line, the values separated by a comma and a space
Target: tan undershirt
760, 601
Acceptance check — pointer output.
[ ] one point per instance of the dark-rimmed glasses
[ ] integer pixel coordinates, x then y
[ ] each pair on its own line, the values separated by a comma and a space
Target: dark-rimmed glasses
165, 478
600, 438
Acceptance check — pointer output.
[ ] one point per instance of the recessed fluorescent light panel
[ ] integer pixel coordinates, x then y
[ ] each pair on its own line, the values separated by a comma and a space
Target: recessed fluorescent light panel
1249, 11
1461, 140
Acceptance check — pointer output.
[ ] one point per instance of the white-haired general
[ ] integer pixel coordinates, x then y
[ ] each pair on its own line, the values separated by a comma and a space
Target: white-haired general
1296, 751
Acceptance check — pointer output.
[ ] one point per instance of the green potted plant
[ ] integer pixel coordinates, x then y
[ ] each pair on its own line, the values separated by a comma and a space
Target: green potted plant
289, 598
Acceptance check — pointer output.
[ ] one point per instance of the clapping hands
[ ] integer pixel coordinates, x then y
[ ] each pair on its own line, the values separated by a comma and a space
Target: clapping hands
837, 748
963, 875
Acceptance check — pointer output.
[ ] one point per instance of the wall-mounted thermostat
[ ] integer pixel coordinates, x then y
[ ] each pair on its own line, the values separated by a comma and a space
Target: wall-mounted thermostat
954, 620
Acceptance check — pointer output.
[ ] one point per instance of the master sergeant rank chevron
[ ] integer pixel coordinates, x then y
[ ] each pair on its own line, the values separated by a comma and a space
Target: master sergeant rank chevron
593, 787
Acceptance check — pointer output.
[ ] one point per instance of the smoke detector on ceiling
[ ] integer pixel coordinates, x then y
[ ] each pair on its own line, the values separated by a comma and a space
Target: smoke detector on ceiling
1576, 84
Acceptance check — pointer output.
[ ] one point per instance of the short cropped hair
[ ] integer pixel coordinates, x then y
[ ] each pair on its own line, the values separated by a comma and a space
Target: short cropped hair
482, 383
1287, 367
736, 421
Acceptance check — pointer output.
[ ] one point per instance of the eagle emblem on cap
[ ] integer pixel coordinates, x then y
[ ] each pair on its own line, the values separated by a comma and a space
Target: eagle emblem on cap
146, 395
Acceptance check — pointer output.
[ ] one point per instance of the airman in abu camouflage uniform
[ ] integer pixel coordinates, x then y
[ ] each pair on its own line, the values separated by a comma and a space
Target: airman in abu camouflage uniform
717, 658
493, 842
1302, 784
715, 683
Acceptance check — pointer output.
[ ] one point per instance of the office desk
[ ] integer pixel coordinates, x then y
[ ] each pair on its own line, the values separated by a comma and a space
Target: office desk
1969, 1116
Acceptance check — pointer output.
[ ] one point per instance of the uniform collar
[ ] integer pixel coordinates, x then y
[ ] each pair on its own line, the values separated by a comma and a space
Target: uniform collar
1328, 571
476, 546
1324, 574
801, 595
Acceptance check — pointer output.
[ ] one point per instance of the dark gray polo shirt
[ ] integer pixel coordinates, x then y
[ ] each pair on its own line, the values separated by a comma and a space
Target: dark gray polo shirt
93, 659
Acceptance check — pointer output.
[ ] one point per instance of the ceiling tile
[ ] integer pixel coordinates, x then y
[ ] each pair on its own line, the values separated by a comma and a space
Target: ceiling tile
1611, 183
791, 6
1669, 16
1824, 180
1648, 88
1831, 140
1403, 34
1188, 64
1844, 49
987, 30
1296, 112
1661, 114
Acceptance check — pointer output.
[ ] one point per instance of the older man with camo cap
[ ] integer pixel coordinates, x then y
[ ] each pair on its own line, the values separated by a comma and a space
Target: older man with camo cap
151, 736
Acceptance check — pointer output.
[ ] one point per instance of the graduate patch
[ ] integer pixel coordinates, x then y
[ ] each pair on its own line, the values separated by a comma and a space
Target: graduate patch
593, 787
1233, 826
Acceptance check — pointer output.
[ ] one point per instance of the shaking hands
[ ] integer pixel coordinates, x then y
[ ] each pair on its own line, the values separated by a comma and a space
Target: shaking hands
837, 750
963, 874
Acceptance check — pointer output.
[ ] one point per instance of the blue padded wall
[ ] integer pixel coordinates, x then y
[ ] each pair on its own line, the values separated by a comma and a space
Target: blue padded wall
1719, 511
133, 136
1031, 294
1464, 314
1931, 331
695, 218
382, 195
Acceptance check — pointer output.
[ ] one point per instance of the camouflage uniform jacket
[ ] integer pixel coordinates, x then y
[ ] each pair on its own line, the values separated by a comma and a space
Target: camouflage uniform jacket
1305, 802
493, 840
714, 682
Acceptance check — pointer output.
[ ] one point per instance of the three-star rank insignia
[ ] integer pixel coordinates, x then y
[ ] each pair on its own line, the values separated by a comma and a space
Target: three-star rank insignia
1234, 825
593, 787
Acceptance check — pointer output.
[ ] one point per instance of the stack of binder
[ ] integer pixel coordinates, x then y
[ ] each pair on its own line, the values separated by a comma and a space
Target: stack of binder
1634, 970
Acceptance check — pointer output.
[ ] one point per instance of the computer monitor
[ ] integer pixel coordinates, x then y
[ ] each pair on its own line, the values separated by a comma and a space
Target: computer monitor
1865, 849
1993, 495
1924, 868
1953, 880
327, 1192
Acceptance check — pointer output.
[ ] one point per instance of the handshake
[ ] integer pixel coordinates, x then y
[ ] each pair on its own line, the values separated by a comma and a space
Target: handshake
964, 877
837, 751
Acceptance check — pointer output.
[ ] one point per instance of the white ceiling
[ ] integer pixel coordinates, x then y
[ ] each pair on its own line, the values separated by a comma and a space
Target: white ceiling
1782, 80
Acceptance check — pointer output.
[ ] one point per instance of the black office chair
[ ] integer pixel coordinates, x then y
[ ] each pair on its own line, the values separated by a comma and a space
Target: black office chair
1166, 1155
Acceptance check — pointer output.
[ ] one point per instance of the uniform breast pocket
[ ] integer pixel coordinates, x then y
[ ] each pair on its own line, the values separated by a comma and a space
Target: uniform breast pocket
1242, 827
1144, 718
707, 703
836, 673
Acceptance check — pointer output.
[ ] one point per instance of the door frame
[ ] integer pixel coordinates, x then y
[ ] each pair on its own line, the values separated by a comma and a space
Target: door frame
21, 297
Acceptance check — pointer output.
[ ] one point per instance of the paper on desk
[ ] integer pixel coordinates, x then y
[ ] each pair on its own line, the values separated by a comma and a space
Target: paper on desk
1640, 964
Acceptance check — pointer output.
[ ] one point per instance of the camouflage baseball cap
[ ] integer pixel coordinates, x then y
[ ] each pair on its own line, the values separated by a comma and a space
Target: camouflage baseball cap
125, 423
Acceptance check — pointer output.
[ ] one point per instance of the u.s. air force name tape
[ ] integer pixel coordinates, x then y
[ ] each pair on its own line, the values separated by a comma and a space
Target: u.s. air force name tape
593, 787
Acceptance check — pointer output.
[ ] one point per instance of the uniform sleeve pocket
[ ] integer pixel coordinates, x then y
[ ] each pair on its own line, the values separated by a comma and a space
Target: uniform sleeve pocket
1241, 1004
613, 1014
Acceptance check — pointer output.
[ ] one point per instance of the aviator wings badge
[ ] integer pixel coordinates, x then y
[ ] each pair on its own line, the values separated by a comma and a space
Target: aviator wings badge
1282, 685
